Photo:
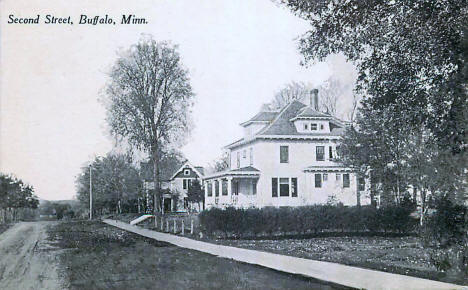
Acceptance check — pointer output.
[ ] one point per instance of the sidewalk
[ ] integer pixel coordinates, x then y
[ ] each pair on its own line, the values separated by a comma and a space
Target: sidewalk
331, 272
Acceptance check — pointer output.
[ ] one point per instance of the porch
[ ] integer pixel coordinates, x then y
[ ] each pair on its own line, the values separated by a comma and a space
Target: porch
236, 188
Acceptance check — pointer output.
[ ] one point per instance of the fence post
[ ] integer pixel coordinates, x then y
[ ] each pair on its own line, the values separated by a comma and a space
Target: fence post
175, 226
191, 226
183, 227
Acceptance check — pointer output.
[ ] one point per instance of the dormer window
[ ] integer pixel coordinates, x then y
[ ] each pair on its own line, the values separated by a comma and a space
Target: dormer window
321, 127
313, 126
306, 127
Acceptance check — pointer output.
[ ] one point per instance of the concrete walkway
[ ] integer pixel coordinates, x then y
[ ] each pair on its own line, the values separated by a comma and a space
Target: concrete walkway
331, 272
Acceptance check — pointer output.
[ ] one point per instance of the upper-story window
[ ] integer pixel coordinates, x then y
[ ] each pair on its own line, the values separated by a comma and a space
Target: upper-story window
238, 159
187, 183
330, 152
251, 156
186, 171
313, 126
320, 153
284, 154
306, 127
321, 126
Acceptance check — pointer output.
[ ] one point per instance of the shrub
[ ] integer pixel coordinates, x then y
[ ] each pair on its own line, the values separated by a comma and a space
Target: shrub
296, 220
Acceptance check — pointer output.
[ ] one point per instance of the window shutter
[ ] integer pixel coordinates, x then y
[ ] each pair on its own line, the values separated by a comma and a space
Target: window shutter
274, 187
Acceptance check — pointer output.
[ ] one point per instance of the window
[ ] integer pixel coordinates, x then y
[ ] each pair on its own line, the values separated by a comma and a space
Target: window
244, 154
274, 187
325, 176
224, 187
186, 183
238, 159
338, 177
216, 184
320, 153
251, 156
306, 127
313, 126
345, 180
254, 187
294, 187
321, 127
361, 184
330, 152
318, 180
284, 154
284, 186
210, 189
186, 171
235, 187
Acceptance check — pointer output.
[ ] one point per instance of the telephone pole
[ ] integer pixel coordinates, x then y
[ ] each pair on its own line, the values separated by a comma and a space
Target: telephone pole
90, 193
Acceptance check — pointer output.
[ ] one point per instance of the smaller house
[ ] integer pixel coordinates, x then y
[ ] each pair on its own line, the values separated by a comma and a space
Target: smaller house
180, 183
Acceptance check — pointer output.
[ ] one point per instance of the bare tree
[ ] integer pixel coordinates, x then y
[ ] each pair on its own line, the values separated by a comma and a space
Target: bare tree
149, 98
292, 91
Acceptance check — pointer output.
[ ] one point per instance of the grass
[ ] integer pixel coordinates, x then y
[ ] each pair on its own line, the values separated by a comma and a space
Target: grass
400, 255
98, 256
4, 227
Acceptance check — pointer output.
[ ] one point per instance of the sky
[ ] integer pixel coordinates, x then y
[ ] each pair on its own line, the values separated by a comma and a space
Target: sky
238, 54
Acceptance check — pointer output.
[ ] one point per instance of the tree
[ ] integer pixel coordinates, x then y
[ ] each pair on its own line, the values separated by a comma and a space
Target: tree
195, 193
221, 164
115, 181
15, 195
149, 100
292, 91
410, 54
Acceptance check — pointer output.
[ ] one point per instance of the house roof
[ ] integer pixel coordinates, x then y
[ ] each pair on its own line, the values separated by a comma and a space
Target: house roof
248, 168
194, 168
309, 112
262, 117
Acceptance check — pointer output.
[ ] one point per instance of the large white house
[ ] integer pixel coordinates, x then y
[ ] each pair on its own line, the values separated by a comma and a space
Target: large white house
286, 158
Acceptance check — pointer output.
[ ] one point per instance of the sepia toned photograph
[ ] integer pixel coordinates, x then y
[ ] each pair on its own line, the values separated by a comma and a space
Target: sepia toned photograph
233, 144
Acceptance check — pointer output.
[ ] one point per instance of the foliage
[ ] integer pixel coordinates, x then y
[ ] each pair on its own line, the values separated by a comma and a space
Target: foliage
148, 100
446, 234
15, 195
115, 183
409, 54
306, 219
221, 164
195, 192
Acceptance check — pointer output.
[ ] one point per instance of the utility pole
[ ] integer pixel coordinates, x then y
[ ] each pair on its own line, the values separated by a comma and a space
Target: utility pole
90, 193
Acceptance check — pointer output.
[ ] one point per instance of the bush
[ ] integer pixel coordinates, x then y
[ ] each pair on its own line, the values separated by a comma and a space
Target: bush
445, 234
270, 221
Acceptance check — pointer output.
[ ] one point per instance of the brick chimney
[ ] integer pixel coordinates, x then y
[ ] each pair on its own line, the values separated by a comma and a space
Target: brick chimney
314, 99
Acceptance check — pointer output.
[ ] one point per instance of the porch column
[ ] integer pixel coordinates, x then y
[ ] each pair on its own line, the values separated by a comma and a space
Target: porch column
172, 204
229, 187
220, 185
206, 190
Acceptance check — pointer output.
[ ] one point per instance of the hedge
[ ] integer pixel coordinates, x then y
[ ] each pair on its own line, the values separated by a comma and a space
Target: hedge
271, 221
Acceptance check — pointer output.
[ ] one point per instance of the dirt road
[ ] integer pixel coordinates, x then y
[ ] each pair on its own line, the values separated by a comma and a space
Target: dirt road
27, 260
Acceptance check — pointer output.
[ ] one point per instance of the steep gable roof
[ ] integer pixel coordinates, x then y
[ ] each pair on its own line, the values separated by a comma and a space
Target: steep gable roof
194, 168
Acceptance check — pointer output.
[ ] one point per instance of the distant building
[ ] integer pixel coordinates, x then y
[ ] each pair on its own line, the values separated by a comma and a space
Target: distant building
174, 183
286, 158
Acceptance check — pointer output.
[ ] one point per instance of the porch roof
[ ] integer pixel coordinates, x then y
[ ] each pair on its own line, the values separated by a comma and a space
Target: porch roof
248, 171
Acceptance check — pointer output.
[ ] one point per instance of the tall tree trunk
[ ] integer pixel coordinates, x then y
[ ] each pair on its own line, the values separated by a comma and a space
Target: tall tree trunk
157, 193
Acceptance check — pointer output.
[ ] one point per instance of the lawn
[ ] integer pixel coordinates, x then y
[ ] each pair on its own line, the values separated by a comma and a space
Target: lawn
401, 255
98, 256
4, 227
